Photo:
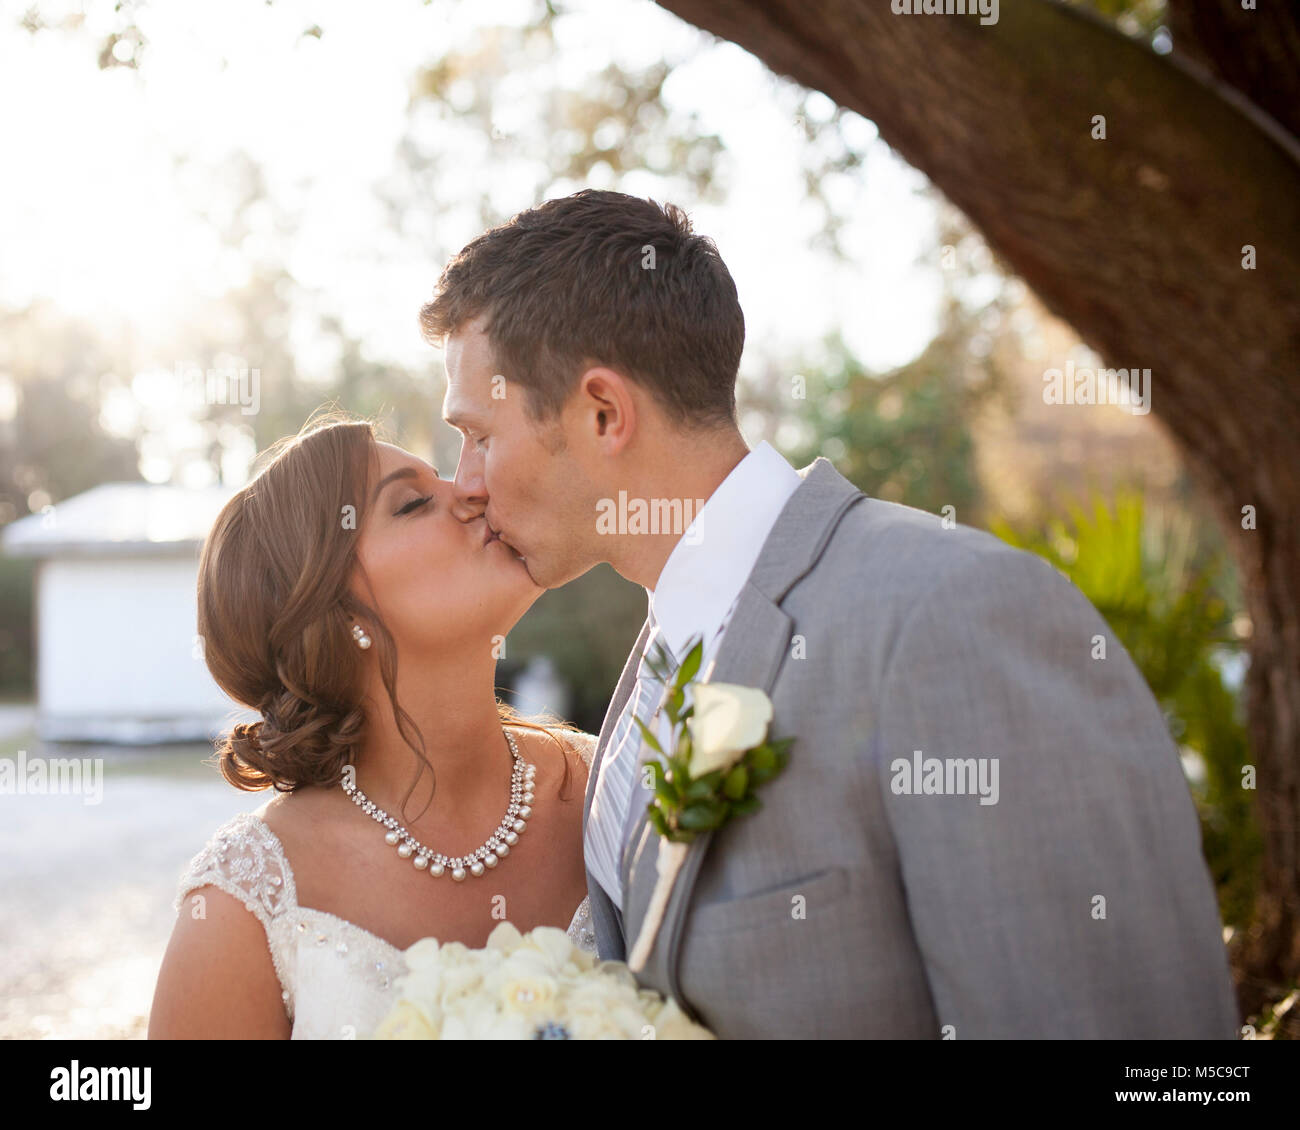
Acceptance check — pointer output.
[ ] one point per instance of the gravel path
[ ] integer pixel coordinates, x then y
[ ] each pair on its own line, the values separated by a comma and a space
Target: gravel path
86, 889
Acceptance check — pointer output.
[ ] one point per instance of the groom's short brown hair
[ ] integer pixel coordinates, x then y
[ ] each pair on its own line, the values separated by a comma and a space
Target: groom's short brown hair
600, 278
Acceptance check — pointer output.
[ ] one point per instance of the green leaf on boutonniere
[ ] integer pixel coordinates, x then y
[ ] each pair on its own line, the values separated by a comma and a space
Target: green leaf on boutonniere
737, 783
781, 750
700, 790
682, 763
671, 707
647, 736
667, 792
702, 815
658, 819
690, 665
745, 807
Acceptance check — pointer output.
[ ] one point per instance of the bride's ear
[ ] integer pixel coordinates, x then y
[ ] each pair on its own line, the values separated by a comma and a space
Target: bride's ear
608, 407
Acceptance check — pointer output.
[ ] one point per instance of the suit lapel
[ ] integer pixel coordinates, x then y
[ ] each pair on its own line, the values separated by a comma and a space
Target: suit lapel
606, 918
751, 653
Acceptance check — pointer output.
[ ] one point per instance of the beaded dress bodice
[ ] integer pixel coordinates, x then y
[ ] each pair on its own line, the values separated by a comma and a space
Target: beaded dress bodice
335, 978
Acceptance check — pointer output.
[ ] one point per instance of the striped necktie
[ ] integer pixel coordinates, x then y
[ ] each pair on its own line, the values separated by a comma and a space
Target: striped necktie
625, 749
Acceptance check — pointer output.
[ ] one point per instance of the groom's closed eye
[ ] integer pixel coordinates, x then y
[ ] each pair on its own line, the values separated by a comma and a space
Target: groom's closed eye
470, 436
466, 428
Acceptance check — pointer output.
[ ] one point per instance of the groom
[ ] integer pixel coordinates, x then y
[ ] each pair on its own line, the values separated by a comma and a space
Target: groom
983, 831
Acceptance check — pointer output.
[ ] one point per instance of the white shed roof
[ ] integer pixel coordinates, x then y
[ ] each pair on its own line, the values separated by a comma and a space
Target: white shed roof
125, 518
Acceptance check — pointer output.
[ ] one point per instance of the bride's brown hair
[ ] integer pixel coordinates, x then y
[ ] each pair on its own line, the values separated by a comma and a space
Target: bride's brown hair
275, 614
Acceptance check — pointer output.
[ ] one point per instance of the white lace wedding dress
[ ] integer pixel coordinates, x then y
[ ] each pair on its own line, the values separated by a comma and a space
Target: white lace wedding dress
336, 979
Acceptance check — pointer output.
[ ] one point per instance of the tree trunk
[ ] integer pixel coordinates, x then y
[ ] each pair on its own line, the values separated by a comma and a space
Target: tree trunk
1137, 241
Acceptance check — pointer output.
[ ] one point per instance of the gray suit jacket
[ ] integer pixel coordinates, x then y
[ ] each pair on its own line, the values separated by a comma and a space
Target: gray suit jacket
1077, 905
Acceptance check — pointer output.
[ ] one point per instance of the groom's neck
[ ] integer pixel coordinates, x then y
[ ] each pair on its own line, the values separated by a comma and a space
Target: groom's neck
677, 479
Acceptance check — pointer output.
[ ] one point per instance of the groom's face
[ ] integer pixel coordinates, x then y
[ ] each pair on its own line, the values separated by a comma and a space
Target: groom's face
519, 473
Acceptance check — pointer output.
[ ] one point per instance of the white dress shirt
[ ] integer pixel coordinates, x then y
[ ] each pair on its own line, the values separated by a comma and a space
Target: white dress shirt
695, 594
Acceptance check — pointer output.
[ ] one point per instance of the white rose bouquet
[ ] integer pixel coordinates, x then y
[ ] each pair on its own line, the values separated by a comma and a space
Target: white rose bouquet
534, 986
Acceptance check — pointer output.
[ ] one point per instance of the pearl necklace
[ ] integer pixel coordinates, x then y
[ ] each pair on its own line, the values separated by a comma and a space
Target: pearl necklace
498, 845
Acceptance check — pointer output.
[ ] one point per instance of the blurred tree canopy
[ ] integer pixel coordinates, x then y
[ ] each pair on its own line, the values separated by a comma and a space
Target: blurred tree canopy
52, 443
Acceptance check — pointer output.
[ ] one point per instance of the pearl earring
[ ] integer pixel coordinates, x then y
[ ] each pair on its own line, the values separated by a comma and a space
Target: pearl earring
359, 634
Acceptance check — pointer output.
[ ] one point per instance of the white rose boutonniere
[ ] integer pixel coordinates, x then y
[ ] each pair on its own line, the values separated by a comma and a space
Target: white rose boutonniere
729, 720
719, 754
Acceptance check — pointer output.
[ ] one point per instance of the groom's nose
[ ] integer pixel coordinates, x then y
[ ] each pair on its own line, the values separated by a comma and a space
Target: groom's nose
469, 495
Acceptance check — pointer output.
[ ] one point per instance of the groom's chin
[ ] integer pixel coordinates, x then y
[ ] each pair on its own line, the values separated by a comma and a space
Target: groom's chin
557, 577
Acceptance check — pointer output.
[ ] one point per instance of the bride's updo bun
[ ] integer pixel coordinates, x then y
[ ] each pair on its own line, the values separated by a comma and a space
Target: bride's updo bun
296, 741
275, 612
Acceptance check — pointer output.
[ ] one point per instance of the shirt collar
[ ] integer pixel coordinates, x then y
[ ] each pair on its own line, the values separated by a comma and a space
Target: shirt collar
712, 559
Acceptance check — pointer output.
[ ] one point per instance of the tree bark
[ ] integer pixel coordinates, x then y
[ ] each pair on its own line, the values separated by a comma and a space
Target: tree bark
1138, 242
1255, 51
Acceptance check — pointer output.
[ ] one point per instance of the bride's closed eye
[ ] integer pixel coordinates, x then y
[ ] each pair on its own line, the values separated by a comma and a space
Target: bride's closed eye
413, 505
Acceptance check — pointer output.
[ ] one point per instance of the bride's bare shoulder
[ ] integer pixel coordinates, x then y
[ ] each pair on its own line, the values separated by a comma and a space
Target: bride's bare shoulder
301, 817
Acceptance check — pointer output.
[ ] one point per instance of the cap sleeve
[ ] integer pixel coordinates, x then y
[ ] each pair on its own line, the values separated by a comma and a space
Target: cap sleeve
245, 859
585, 744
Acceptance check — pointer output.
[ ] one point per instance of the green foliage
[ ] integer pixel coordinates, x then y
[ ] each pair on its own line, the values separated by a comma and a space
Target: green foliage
903, 436
55, 445
587, 629
1167, 590
17, 576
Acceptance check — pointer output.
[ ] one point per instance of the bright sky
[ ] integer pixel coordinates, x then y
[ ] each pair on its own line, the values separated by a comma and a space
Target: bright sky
98, 214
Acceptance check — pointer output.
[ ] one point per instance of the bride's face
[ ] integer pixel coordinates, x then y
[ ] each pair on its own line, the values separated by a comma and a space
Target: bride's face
440, 584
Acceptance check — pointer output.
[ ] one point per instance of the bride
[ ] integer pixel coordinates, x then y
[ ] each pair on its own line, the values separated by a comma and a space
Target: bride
345, 598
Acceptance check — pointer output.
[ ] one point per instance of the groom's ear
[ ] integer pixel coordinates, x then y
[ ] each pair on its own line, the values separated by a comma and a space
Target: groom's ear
608, 407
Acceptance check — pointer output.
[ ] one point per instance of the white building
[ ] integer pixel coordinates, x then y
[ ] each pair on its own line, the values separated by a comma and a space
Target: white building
117, 653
